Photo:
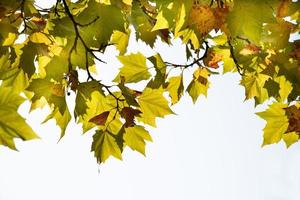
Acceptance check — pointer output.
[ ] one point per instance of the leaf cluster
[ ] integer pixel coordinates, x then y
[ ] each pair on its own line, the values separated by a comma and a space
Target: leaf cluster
48, 53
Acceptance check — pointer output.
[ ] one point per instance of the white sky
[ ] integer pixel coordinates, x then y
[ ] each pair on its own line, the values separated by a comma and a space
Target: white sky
209, 151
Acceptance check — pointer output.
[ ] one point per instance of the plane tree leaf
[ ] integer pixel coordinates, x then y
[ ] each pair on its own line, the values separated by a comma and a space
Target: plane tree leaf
56, 57
12, 124
134, 68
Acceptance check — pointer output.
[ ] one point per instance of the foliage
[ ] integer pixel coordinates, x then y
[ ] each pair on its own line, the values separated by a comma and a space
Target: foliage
43, 49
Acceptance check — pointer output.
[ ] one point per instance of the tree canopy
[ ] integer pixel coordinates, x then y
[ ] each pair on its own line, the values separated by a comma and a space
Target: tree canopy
45, 53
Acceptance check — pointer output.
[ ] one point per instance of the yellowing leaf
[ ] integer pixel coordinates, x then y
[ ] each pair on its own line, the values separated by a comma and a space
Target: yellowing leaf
180, 19
247, 17
253, 84
120, 40
62, 119
285, 88
161, 22
153, 104
175, 88
199, 85
277, 123
128, 2
96, 105
11, 38
40, 38
104, 145
290, 138
134, 68
250, 49
12, 125
135, 138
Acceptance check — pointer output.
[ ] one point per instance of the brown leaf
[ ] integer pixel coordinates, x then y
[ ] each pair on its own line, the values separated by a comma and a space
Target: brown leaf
283, 8
100, 119
213, 59
73, 81
128, 114
58, 90
293, 114
164, 34
136, 93
2, 12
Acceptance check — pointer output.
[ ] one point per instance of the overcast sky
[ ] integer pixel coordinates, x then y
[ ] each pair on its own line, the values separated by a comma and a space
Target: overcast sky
210, 150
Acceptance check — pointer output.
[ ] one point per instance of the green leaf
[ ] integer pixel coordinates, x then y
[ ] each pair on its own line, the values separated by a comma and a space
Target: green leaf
12, 125
134, 68
141, 23
104, 145
153, 104
277, 123
135, 138
247, 18
13, 77
52, 92
84, 93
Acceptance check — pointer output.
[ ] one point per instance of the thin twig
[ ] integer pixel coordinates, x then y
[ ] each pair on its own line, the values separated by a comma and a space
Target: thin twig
196, 61
78, 36
238, 67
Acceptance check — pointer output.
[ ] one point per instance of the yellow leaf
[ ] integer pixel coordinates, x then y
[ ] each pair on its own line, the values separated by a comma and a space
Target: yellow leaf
199, 85
285, 88
10, 39
277, 123
253, 84
128, 2
290, 138
134, 68
40, 38
161, 22
135, 138
175, 88
153, 104
120, 40
104, 145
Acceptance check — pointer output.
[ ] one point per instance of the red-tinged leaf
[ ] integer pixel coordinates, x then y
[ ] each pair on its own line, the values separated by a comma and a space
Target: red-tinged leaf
164, 34
250, 49
283, 8
293, 114
100, 119
136, 93
128, 114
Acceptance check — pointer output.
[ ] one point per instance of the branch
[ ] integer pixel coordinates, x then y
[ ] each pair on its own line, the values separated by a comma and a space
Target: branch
22, 7
238, 67
196, 61
78, 36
